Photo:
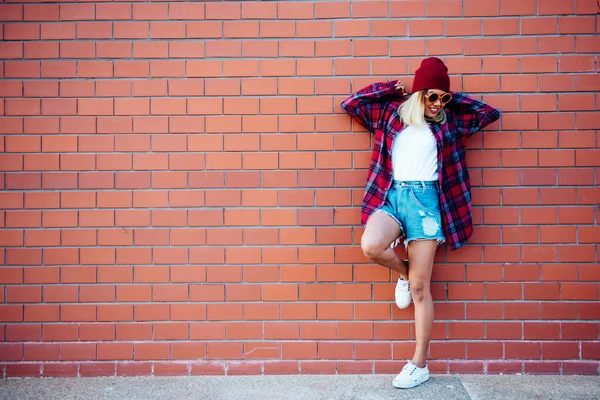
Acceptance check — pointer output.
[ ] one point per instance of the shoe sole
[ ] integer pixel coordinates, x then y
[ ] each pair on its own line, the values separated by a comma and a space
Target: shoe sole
410, 387
399, 306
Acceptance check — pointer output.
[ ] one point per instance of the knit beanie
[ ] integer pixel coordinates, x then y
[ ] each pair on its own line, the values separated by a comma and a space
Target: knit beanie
432, 74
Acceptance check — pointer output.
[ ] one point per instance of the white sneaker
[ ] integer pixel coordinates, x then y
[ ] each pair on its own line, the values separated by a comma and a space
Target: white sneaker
402, 294
411, 376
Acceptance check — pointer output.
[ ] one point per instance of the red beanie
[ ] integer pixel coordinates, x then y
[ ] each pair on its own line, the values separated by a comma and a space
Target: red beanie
432, 74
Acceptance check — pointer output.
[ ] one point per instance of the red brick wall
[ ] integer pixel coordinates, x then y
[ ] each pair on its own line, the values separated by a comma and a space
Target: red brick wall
182, 191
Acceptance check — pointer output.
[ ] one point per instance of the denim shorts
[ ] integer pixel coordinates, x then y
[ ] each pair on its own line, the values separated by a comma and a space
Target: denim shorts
415, 205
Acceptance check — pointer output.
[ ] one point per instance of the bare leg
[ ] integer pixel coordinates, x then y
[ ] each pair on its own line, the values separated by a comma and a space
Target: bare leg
421, 254
380, 232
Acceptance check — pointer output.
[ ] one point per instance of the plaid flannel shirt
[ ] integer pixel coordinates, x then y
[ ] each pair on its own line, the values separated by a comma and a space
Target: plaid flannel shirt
376, 108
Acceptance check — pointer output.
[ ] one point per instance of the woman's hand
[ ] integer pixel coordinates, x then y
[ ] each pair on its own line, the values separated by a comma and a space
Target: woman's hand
399, 86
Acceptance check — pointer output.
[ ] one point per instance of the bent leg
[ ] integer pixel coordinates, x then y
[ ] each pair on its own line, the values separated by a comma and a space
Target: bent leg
421, 254
380, 232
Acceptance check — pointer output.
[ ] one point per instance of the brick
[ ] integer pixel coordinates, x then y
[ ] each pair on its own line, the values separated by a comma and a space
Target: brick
44, 125
94, 30
113, 11
134, 369
576, 64
41, 12
587, 44
297, 48
558, 83
539, 64
240, 29
481, 8
222, 11
40, 89
115, 351
412, 8
576, 330
205, 29
60, 370
22, 32
100, 331
22, 107
186, 11
81, 237
150, 11
207, 330
316, 67
129, 180
549, 7
12, 12
578, 291
184, 50
430, 27
131, 30
23, 370
58, 31
295, 10
113, 50
167, 69
30, 332
171, 369
555, 44
167, 30
448, 350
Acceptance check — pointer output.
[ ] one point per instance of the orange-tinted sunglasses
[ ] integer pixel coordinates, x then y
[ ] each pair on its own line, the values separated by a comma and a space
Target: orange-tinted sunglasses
433, 97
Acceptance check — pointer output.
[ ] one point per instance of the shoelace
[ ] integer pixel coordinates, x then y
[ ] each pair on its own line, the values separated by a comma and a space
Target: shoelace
407, 286
407, 366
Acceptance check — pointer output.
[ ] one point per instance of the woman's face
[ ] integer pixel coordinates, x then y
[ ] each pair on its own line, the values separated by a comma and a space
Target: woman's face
433, 108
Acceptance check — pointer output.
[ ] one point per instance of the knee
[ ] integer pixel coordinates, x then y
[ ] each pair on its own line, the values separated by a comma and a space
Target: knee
371, 248
419, 289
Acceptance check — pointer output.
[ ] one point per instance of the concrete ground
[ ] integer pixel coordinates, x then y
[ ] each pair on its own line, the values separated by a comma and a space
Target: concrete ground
305, 387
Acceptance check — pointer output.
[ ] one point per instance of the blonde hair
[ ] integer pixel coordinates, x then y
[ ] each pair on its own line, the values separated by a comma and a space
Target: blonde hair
412, 111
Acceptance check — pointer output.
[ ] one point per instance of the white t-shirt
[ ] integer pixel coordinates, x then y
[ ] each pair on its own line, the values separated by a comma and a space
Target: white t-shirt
414, 155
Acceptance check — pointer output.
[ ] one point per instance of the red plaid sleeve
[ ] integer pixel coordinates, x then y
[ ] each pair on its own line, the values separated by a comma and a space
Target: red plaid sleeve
471, 115
369, 105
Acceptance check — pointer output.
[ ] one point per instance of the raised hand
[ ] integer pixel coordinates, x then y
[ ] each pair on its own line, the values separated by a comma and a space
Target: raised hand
399, 86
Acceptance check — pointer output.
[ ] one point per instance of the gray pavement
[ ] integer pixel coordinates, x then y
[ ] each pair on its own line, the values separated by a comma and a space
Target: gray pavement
305, 387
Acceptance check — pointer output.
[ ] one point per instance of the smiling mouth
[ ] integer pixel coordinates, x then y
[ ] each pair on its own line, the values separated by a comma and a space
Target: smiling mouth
434, 110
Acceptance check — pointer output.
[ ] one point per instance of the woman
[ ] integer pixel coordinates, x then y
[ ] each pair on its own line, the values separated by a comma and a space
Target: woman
417, 186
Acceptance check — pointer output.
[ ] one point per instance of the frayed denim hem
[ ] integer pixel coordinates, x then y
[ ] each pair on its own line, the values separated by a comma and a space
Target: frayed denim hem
440, 241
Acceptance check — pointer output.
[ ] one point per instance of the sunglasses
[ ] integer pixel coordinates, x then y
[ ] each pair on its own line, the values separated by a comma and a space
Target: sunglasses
433, 97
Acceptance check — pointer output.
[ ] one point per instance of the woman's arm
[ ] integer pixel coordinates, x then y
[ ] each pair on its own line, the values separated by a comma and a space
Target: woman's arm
471, 115
369, 104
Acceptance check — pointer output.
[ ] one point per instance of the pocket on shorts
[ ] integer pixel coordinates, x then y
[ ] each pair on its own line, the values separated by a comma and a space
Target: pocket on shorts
428, 202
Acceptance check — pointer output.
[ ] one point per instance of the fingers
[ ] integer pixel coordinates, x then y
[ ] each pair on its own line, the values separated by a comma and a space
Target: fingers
399, 86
